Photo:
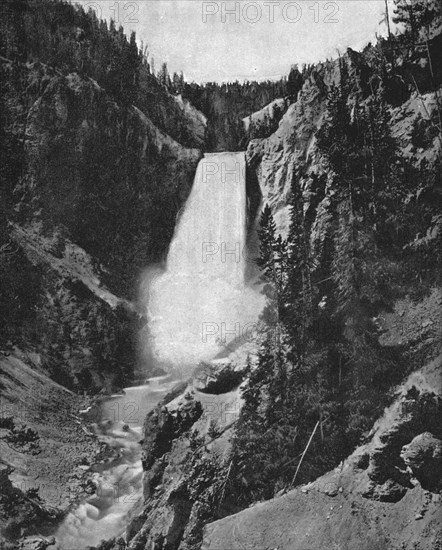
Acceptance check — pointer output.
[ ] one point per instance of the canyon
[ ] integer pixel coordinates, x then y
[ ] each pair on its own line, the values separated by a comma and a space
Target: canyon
131, 234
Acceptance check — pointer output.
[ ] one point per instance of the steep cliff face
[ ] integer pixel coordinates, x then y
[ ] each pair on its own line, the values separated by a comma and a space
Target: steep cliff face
95, 202
94, 167
273, 160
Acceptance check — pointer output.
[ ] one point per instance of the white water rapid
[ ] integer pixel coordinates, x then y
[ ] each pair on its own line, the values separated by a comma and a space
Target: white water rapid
202, 302
118, 495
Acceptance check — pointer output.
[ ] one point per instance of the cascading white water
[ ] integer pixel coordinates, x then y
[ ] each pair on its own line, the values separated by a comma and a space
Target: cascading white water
196, 307
202, 301
119, 492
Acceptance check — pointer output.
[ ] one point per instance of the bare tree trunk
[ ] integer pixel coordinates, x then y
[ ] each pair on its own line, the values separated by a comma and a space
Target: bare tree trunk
436, 91
304, 453
387, 16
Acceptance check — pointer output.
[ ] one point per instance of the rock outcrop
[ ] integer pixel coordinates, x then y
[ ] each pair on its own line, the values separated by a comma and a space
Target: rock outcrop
88, 155
186, 444
272, 161
423, 458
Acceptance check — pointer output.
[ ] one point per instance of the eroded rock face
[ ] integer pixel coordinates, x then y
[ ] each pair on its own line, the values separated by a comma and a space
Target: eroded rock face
168, 502
389, 471
274, 160
423, 456
86, 151
99, 194
110, 174
161, 428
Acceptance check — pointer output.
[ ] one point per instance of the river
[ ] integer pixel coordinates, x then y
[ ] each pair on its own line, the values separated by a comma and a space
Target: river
118, 497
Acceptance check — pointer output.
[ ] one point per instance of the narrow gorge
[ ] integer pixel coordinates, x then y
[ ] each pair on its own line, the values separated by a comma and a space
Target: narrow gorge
220, 303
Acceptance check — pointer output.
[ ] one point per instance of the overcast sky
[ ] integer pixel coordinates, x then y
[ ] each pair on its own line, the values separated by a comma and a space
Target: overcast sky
228, 40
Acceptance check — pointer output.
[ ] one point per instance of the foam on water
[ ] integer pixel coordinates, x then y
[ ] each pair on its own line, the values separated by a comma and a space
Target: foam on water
107, 513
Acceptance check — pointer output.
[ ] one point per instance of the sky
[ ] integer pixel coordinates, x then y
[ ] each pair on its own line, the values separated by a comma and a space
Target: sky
244, 40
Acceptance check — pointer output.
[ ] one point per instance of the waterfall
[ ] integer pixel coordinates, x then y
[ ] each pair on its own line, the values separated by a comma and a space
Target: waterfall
196, 307
202, 301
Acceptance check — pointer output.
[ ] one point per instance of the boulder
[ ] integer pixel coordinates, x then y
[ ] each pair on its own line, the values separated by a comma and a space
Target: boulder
423, 457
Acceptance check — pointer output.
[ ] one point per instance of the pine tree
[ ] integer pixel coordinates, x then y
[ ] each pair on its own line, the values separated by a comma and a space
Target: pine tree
348, 141
294, 82
418, 16
267, 237
163, 77
273, 260
178, 83
299, 293
132, 69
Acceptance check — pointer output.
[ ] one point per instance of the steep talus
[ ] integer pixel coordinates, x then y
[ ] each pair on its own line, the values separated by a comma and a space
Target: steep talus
72, 263
45, 450
375, 499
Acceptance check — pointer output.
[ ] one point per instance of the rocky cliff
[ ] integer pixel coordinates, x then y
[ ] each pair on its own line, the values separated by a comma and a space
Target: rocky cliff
272, 160
186, 447
382, 484
90, 190
93, 166
95, 203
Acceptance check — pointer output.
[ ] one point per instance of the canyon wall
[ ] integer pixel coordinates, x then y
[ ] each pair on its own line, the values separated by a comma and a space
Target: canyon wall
380, 485
98, 195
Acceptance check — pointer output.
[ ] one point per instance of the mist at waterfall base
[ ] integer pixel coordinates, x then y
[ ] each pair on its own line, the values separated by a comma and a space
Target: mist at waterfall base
202, 300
